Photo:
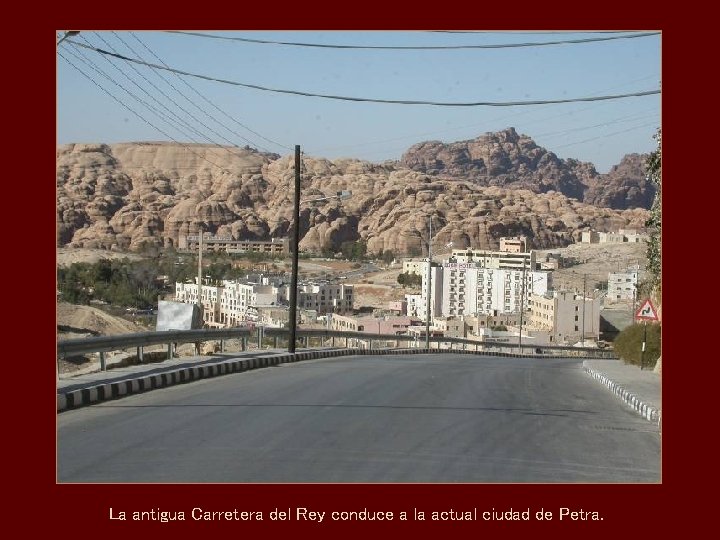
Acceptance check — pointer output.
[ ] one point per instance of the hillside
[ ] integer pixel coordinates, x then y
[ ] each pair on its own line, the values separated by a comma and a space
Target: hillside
128, 196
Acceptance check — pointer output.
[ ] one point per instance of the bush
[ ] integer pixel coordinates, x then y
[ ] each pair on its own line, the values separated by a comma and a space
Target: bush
628, 344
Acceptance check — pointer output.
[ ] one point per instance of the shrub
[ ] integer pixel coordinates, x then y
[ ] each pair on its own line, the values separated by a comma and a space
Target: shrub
628, 344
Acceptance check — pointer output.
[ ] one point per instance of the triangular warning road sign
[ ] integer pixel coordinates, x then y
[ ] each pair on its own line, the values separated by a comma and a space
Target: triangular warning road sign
647, 312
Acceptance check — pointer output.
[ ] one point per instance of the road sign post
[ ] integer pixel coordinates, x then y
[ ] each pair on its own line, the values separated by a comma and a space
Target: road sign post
647, 312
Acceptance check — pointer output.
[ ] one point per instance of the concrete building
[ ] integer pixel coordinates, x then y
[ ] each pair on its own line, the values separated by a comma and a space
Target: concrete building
325, 297
226, 304
435, 291
497, 260
590, 237
414, 266
451, 326
277, 246
514, 244
561, 314
399, 307
371, 325
492, 320
622, 285
469, 289
414, 301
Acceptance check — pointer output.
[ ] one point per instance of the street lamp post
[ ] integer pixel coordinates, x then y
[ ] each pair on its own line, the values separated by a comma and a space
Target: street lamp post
295, 247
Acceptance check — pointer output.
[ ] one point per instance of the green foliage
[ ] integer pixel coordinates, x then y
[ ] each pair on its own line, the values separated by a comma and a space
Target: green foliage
354, 251
499, 328
628, 344
409, 280
654, 222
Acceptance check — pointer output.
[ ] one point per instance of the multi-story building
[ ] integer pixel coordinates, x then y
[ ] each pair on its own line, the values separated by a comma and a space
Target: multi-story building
514, 244
469, 289
412, 266
227, 304
434, 290
496, 260
325, 297
276, 246
623, 285
413, 301
371, 325
562, 315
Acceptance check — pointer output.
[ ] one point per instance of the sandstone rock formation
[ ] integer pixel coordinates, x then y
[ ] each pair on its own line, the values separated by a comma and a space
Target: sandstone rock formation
131, 195
511, 160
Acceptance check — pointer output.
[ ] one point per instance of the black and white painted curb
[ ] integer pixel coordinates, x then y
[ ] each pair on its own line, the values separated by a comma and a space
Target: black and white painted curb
653, 414
143, 383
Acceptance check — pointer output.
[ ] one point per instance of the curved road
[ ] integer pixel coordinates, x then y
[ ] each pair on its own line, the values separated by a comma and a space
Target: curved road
405, 418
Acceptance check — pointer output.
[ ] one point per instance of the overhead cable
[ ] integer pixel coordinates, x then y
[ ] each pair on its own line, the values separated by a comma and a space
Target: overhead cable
373, 100
205, 99
414, 47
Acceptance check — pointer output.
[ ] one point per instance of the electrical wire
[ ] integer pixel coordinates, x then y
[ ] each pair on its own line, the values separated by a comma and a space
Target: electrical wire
184, 122
140, 116
413, 47
373, 100
204, 99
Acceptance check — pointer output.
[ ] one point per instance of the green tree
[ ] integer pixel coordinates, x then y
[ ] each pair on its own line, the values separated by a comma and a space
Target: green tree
654, 222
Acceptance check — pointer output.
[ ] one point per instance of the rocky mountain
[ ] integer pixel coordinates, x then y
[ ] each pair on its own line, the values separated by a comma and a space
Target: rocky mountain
131, 195
510, 160
625, 186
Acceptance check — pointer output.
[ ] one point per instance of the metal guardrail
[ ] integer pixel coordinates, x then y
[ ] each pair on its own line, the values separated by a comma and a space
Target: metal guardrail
103, 344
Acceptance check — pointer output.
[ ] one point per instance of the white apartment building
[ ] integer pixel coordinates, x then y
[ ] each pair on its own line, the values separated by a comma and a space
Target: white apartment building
562, 313
325, 297
470, 290
436, 289
622, 285
227, 304
497, 260
413, 304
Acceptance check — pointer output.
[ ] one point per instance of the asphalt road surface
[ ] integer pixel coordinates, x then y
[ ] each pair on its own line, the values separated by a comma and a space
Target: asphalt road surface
405, 418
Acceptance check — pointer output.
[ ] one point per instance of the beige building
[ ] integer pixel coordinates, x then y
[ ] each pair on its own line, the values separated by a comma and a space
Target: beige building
416, 267
277, 246
562, 313
514, 244
371, 325
325, 297
496, 260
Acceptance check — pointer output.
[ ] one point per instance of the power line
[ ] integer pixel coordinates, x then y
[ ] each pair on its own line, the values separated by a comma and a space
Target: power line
139, 116
186, 123
608, 135
176, 124
372, 100
205, 99
413, 47
457, 128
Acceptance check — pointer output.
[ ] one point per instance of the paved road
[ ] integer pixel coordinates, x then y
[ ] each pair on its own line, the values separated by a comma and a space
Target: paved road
414, 418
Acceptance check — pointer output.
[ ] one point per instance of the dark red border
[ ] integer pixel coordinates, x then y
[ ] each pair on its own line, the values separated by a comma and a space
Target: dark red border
628, 510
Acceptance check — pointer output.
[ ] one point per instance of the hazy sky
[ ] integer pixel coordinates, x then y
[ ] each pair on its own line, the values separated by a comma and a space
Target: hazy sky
600, 132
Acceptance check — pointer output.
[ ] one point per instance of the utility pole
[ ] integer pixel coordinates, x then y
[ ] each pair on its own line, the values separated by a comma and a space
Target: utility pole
429, 279
583, 310
295, 249
522, 305
200, 250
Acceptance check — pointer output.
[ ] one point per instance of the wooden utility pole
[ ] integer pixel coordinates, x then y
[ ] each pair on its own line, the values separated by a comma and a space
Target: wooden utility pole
295, 249
429, 280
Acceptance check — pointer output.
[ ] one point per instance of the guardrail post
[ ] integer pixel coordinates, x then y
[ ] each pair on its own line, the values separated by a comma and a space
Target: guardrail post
140, 354
222, 345
333, 341
102, 361
275, 342
169, 354
243, 342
